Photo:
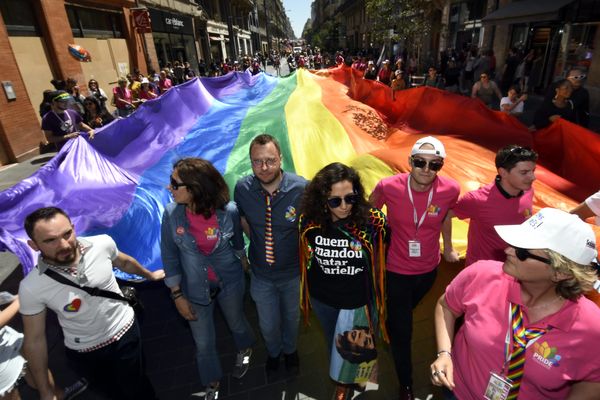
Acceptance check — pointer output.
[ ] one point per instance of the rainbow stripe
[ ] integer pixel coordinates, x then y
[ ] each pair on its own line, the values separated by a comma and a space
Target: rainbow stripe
116, 184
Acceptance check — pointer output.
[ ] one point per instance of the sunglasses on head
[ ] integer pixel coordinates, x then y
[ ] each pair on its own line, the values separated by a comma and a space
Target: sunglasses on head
335, 202
176, 185
524, 254
434, 165
518, 151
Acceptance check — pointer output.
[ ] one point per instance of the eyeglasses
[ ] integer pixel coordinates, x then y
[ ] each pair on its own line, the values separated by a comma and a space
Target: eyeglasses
483, 76
176, 185
87, 104
578, 77
269, 162
335, 202
523, 254
434, 165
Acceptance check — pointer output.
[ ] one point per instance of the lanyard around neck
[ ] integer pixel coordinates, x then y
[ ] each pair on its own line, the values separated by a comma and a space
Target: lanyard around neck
429, 198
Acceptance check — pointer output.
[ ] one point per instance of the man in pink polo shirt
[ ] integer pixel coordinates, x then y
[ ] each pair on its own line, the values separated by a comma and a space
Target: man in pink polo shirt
417, 203
537, 303
508, 200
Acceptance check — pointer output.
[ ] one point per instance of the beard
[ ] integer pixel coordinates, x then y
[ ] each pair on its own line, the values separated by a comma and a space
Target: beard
62, 257
270, 180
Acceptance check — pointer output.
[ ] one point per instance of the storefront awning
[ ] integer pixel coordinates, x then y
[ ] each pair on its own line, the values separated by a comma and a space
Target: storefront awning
526, 11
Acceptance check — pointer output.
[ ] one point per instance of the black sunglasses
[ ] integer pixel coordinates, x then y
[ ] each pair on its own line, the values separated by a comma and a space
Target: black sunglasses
176, 185
335, 202
524, 254
434, 165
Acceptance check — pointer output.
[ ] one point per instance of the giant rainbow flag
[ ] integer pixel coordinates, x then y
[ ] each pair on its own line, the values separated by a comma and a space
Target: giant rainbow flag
116, 184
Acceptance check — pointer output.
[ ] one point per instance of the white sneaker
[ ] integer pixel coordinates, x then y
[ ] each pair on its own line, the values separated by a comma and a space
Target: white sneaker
212, 393
242, 363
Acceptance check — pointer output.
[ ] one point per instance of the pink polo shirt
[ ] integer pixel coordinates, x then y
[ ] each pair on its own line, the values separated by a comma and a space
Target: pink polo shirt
487, 207
393, 192
566, 354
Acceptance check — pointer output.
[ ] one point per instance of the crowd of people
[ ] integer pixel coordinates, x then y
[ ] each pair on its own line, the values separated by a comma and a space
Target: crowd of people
474, 73
66, 112
326, 246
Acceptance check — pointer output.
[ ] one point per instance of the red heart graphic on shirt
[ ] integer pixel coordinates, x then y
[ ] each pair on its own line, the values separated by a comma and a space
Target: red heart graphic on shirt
73, 306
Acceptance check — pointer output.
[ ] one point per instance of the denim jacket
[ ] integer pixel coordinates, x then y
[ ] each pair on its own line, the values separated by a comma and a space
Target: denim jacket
186, 266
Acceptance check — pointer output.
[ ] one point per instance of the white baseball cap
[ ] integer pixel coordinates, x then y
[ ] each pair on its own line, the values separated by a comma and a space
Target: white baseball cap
438, 147
555, 230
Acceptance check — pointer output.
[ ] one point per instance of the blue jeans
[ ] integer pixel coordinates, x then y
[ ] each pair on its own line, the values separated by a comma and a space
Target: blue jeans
231, 303
327, 317
278, 305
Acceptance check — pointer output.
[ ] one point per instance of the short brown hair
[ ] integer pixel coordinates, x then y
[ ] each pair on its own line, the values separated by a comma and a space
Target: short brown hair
263, 139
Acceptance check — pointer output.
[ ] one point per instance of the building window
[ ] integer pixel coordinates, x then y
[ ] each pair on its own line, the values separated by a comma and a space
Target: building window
19, 18
94, 23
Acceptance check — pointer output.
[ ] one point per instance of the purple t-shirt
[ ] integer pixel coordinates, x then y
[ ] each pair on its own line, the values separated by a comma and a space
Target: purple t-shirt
61, 124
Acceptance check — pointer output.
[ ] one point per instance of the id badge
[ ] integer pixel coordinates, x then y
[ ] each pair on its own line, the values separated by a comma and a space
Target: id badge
414, 248
498, 387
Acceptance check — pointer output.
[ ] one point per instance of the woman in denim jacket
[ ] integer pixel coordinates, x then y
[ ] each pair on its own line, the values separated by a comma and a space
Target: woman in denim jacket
201, 246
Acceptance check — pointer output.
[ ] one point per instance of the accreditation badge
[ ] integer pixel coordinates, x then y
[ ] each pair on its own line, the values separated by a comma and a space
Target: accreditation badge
498, 387
414, 248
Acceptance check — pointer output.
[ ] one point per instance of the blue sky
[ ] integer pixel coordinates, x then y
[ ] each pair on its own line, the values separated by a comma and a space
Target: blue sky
298, 11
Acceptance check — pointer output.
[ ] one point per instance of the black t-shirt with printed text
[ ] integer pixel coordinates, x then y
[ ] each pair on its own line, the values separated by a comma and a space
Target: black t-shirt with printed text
338, 273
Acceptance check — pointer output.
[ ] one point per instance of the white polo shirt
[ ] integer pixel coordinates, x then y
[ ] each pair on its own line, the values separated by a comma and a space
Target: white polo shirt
593, 202
86, 320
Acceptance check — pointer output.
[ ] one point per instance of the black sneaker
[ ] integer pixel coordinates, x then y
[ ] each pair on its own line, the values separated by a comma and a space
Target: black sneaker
75, 389
272, 364
292, 363
242, 363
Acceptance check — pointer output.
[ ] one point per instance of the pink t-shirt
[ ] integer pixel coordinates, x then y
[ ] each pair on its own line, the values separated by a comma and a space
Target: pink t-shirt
393, 192
566, 354
164, 85
206, 233
487, 207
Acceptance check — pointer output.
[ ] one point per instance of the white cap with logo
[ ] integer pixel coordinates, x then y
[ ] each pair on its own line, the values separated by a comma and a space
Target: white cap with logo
438, 147
555, 230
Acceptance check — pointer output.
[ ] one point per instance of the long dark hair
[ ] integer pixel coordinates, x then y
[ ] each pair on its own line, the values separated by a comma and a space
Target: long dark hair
206, 185
314, 203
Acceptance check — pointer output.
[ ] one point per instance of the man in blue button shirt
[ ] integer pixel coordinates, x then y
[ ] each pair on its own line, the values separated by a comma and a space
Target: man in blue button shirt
268, 203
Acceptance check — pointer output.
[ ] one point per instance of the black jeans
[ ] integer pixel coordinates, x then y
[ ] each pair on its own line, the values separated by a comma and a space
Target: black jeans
404, 292
117, 369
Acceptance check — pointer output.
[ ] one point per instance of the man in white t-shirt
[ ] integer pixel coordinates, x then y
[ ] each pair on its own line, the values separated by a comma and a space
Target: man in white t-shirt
589, 208
101, 335
513, 103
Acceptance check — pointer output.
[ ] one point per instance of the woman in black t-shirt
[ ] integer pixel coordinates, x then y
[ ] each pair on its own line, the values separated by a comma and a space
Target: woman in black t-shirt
558, 107
342, 272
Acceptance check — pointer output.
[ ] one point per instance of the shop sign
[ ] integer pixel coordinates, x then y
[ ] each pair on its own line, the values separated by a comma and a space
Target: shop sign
163, 21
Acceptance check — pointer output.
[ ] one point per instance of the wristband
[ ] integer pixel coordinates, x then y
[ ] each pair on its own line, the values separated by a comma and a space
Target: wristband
177, 293
177, 296
439, 353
